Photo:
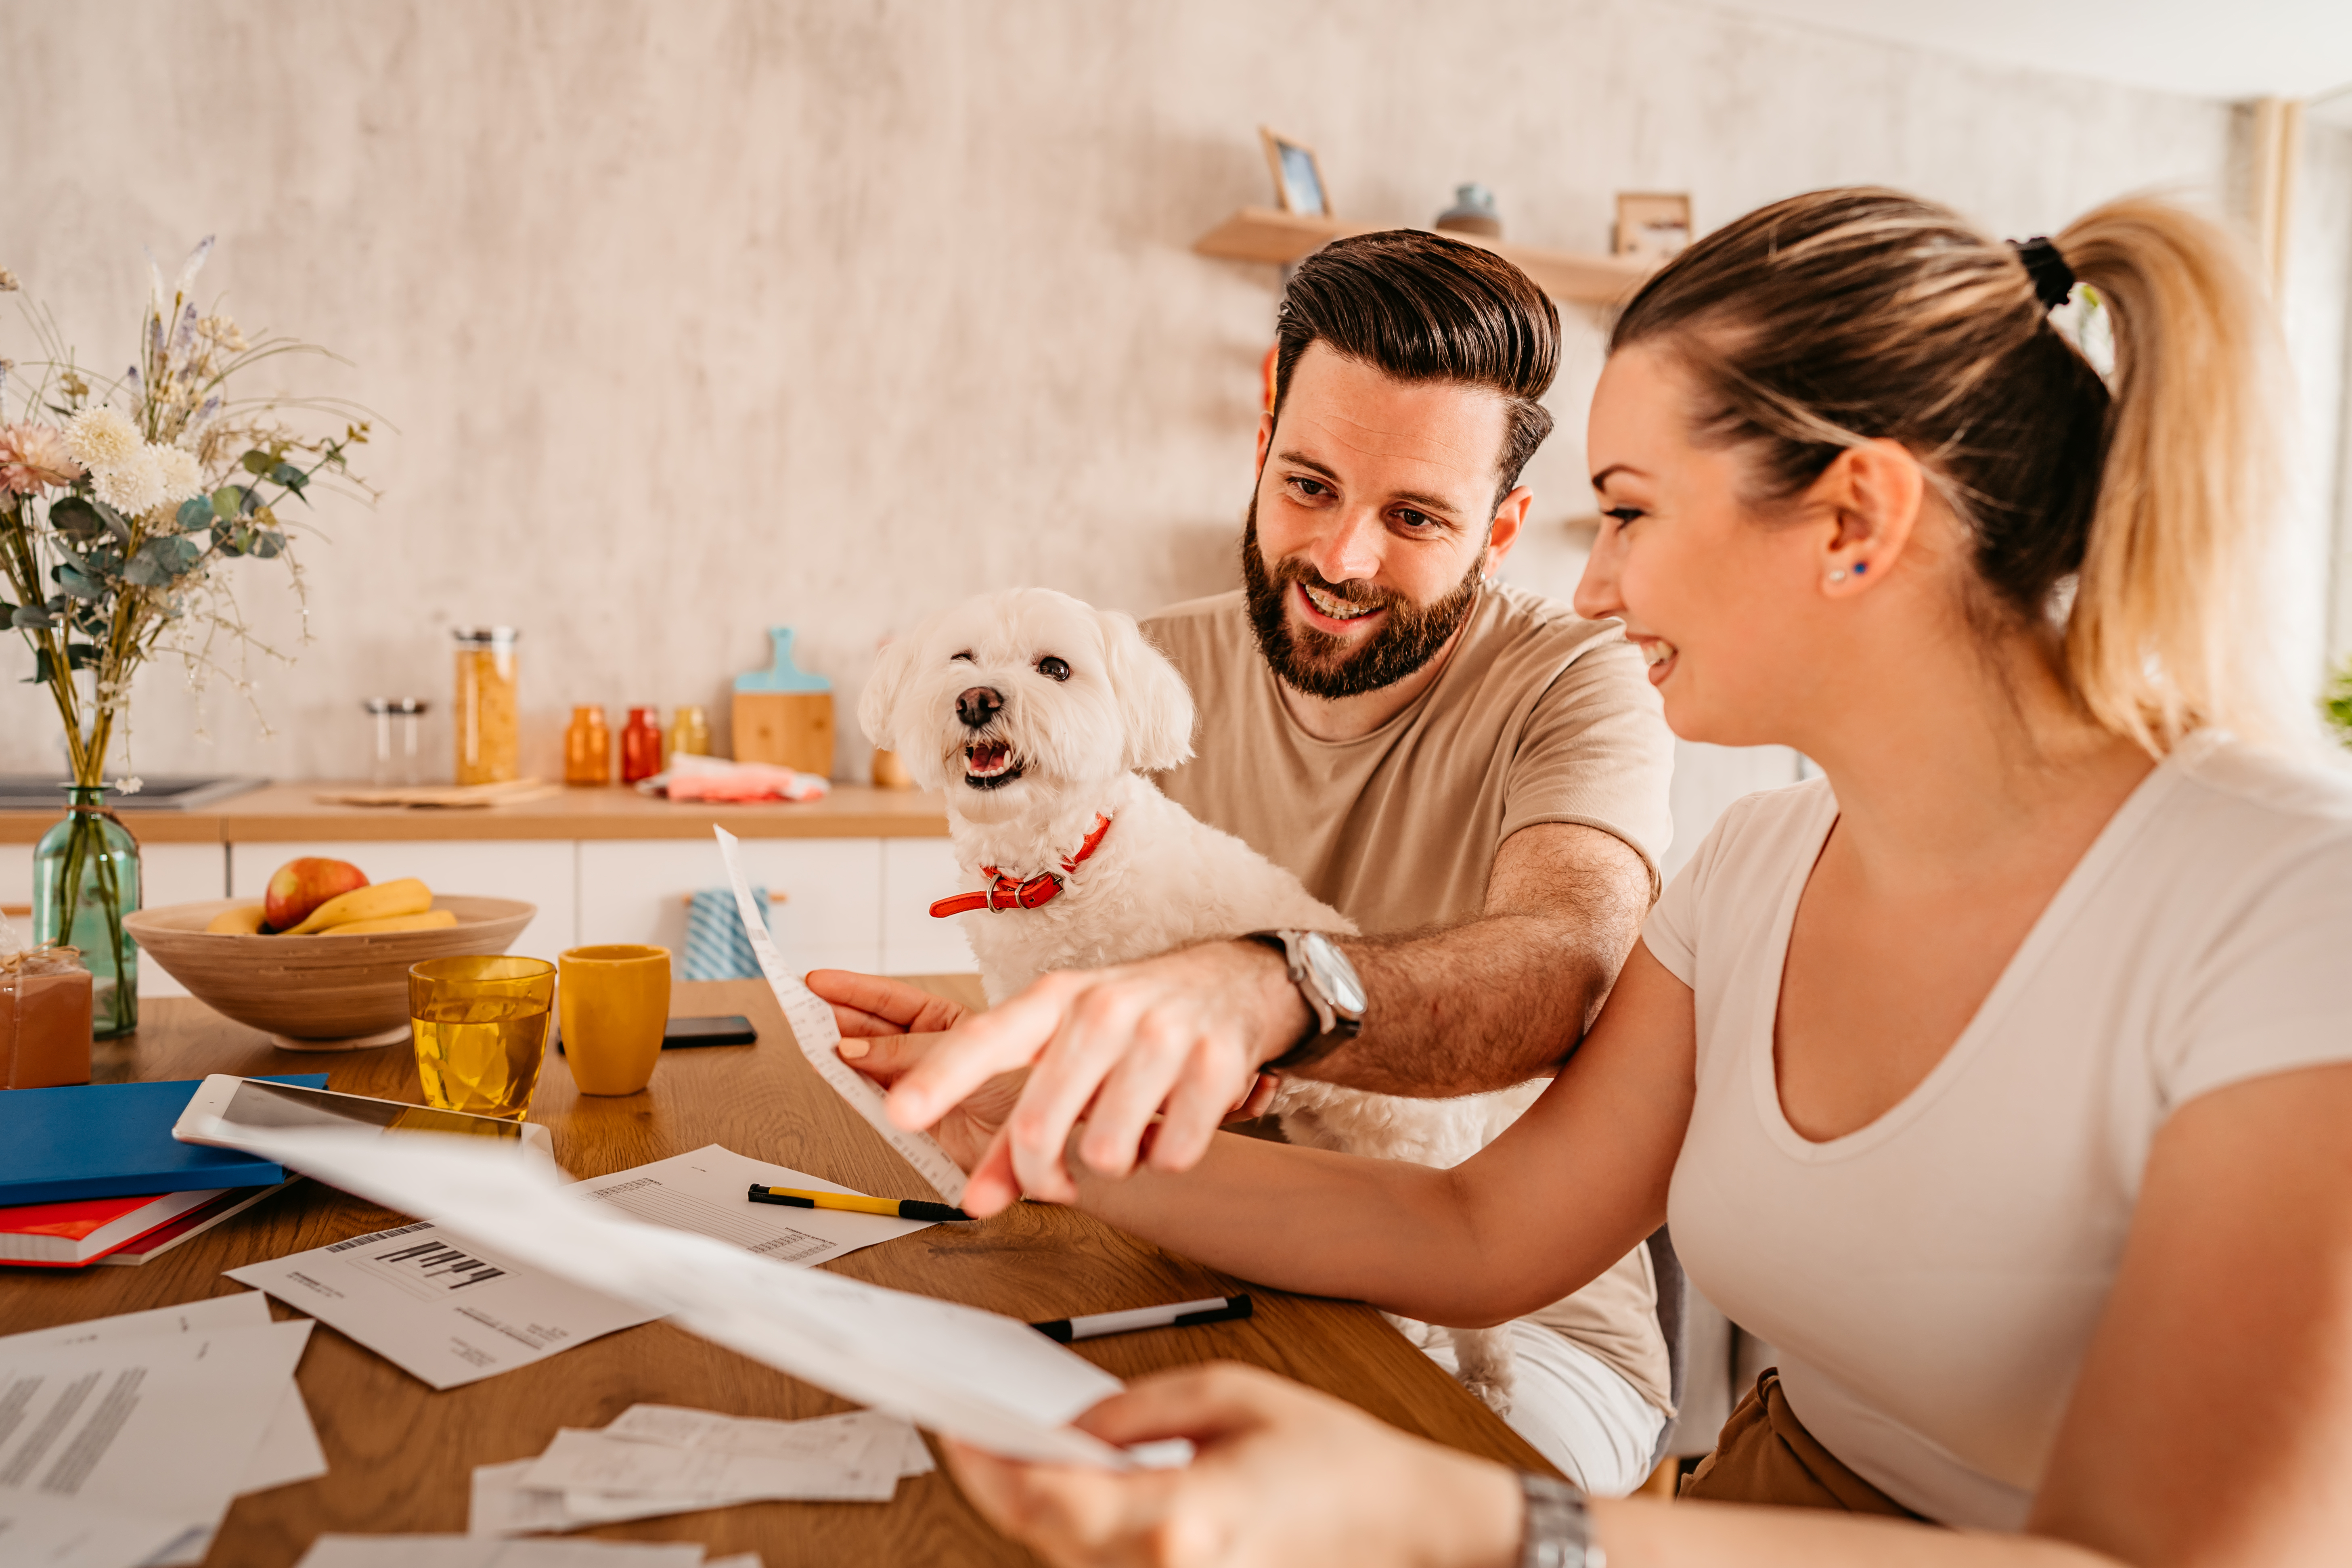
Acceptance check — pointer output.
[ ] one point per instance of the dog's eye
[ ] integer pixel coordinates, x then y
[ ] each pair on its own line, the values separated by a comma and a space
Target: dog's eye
965, 656
1054, 668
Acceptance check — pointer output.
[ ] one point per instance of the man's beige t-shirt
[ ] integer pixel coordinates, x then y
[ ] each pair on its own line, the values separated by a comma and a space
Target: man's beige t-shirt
1539, 716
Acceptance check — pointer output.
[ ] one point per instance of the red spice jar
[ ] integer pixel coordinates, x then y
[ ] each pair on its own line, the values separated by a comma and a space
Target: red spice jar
641, 745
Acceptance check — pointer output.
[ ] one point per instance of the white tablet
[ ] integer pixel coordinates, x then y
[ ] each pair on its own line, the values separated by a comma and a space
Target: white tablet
250, 1102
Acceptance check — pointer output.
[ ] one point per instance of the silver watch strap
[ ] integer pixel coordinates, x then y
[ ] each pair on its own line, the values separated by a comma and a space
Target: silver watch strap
1559, 1532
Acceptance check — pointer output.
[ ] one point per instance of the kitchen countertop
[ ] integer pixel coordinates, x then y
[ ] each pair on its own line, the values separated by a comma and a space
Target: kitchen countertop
291, 813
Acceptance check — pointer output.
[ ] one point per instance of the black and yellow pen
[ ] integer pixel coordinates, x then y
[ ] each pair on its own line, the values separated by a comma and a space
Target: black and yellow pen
856, 1203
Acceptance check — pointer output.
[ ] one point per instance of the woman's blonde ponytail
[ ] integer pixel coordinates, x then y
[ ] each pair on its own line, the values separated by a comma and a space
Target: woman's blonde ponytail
2166, 632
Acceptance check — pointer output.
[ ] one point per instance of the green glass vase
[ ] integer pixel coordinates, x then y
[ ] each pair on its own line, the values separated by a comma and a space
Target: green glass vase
85, 879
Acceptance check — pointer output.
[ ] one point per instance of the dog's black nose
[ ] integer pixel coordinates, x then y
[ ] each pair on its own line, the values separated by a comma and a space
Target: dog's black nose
978, 704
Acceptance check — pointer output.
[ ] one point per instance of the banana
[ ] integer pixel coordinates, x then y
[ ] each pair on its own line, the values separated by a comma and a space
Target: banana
382, 900
242, 921
431, 920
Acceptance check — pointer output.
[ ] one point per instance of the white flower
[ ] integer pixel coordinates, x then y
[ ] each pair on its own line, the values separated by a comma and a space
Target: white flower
133, 487
177, 471
101, 438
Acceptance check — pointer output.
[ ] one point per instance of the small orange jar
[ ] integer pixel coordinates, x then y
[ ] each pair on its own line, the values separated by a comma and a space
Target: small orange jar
588, 747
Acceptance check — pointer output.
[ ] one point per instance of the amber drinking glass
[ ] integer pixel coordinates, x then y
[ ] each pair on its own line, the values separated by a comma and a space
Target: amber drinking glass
481, 1030
588, 747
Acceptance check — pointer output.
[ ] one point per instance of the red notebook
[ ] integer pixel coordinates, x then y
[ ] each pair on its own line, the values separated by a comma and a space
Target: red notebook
68, 1235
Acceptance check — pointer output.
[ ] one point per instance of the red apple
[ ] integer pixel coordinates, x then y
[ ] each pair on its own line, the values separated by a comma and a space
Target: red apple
301, 886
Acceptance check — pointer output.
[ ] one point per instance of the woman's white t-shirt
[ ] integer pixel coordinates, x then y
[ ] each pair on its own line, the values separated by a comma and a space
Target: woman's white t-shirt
1932, 1281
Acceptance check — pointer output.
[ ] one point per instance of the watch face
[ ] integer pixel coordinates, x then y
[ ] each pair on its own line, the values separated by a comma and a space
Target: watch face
1333, 975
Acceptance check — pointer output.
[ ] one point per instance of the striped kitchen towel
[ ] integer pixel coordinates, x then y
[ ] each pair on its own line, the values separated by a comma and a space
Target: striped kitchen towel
715, 947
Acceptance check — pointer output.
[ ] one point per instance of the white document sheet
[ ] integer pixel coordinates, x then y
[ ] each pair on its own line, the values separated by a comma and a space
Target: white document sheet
707, 1192
149, 1433
990, 1379
592, 1462
818, 1036
477, 1551
684, 1428
441, 1308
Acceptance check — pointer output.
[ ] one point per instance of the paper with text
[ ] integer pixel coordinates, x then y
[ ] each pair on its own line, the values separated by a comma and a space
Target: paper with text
819, 1037
991, 1381
441, 1308
705, 1192
149, 1435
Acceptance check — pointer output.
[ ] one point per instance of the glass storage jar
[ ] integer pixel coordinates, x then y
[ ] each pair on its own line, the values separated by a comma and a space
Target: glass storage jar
489, 723
588, 747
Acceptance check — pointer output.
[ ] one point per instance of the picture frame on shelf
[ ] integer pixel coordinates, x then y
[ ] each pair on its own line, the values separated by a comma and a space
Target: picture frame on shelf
1652, 224
1298, 183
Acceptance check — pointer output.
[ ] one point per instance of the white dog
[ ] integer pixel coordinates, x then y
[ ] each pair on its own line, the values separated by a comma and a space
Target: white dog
1039, 715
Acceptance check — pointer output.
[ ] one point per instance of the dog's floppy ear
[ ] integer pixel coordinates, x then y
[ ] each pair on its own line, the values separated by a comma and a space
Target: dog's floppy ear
878, 703
1155, 706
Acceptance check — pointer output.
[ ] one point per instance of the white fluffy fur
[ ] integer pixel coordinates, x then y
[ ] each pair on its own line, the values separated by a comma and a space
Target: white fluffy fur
1160, 879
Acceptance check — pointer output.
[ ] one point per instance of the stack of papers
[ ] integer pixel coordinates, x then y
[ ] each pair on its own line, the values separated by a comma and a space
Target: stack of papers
454, 1311
123, 1439
470, 1551
658, 1458
989, 1379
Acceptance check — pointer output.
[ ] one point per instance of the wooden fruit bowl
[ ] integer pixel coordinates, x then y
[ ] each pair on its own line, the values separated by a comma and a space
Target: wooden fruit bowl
316, 992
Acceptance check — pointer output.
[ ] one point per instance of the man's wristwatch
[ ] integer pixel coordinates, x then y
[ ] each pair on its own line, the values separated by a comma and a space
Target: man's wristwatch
1329, 985
1559, 1532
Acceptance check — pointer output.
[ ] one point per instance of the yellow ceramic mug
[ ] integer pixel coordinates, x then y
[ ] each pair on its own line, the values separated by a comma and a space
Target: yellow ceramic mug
615, 1004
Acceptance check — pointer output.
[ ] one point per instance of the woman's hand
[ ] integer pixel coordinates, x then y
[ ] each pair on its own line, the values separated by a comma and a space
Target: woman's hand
1281, 1476
868, 1006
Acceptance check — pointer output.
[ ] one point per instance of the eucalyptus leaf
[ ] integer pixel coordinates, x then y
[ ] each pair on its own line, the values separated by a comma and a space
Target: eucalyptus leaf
79, 586
44, 668
77, 517
82, 656
195, 512
292, 478
31, 617
256, 461
113, 520
266, 544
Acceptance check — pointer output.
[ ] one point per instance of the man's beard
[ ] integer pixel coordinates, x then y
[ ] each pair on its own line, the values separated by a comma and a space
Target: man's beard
1312, 660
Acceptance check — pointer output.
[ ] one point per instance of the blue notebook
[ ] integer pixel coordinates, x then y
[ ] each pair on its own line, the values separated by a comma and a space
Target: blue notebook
114, 1140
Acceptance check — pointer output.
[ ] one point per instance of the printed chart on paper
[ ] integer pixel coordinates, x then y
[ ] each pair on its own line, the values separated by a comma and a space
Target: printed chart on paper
813, 1027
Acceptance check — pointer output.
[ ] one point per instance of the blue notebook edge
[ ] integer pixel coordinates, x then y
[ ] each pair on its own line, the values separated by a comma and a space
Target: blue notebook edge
195, 1166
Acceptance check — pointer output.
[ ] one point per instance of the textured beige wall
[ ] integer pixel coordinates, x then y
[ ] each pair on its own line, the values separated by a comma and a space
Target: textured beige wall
687, 318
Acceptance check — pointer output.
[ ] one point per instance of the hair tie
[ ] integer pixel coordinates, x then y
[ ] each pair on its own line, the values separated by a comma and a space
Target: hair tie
2053, 281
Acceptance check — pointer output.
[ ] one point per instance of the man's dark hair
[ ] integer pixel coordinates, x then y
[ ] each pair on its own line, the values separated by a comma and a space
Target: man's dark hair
1419, 307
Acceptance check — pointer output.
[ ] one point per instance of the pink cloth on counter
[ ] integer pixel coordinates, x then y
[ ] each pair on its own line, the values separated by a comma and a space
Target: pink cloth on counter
717, 779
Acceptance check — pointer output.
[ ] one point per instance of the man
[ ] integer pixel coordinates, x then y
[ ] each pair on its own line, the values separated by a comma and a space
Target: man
1473, 774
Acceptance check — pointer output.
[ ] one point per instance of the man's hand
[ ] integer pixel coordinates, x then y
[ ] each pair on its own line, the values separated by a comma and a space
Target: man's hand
1281, 1476
1181, 1035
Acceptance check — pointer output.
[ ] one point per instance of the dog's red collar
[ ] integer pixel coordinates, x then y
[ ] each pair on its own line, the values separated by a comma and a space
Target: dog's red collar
1003, 893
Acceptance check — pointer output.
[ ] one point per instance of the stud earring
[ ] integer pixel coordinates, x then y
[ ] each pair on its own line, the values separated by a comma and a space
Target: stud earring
1860, 567
1838, 576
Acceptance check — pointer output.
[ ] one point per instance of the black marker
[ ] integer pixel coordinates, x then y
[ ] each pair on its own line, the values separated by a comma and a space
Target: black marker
1183, 1315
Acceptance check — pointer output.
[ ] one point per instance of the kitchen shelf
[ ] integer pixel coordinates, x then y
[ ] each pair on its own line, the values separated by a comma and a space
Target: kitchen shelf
1263, 234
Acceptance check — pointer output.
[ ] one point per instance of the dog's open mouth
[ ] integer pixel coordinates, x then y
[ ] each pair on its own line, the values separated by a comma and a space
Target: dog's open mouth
989, 763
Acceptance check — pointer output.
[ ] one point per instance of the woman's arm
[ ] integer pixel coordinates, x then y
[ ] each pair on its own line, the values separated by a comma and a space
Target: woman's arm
2211, 1422
1550, 1204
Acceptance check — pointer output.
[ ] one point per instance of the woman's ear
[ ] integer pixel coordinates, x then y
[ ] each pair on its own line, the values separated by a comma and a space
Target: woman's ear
1872, 493
1155, 706
878, 704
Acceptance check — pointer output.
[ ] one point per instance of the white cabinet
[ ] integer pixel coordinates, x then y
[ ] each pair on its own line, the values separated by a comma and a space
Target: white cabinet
915, 874
538, 870
829, 915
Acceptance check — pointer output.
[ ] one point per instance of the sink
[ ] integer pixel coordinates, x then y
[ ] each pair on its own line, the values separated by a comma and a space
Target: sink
160, 791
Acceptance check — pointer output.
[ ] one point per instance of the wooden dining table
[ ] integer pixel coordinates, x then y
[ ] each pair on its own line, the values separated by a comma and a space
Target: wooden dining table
401, 1456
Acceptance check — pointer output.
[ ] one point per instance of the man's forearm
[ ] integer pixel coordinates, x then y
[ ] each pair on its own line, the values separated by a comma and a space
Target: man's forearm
1475, 1007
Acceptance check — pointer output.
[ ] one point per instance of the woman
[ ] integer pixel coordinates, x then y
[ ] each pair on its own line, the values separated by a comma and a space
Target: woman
2000, 1078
